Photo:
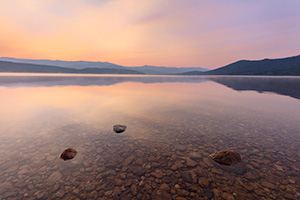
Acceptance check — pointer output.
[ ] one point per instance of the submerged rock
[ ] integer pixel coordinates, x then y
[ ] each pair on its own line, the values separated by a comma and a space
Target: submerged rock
228, 157
68, 154
118, 128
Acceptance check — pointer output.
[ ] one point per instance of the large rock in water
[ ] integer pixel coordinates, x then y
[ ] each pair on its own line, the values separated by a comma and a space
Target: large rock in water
68, 154
228, 157
118, 128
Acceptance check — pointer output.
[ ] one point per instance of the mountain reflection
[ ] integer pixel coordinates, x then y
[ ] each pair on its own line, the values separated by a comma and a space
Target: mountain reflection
289, 86
281, 85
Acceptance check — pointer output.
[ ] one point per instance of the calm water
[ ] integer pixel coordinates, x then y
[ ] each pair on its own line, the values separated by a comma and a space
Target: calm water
173, 125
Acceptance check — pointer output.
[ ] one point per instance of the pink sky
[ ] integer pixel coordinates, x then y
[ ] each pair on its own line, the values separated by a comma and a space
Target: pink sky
178, 33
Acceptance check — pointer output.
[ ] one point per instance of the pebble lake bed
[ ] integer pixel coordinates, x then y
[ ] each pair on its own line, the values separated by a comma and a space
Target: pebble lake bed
173, 126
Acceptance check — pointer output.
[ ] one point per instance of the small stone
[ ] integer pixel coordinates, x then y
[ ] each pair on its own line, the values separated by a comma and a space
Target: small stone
203, 182
68, 154
190, 162
179, 147
216, 192
228, 157
118, 128
55, 176
282, 187
133, 189
268, 185
117, 191
292, 181
59, 194
99, 150
249, 176
194, 155
108, 193
208, 162
139, 153
278, 167
128, 161
165, 187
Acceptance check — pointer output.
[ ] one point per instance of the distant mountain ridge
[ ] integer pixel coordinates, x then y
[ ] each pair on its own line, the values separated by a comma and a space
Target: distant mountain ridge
34, 68
282, 66
146, 69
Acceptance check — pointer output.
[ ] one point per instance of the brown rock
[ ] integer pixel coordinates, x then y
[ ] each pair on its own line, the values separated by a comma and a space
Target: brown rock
55, 176
164, 186
161, 195
278, 167
158, 173
250, 176
127, 161
292, 181
117, 191
68, 154
208, 162
282, 187
133, 189
228, 157
190, 162
216, 192
139, 153
203, 182
118, 128
268, 185
99, 150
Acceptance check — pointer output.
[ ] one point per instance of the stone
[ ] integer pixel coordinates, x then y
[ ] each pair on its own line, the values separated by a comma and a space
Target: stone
68, 154
292, 181
216, 192
133, 189
55, 176
228, 157
139, 153
117, 191
194, 155
203, 182
278, 167
118, 128
250, 176
282, 187
190, 162
179, 147
187, 176
127, 161
59, 194
268, 185
164, 186
161, 195
158, 173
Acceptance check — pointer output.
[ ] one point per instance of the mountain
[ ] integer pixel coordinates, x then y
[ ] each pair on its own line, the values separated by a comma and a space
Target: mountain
67, 64
34, 68
85, 64
166, 70
283, 66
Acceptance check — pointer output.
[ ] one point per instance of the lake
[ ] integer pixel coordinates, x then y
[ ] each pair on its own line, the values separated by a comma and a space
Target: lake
173, 124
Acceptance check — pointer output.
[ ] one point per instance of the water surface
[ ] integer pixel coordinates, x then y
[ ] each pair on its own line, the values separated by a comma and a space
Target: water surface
173, 125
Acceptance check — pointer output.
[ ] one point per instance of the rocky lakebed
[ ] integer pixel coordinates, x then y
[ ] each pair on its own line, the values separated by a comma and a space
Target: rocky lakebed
117, 166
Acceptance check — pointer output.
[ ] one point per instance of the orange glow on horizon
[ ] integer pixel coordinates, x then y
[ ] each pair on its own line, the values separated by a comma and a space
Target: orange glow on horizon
163, 33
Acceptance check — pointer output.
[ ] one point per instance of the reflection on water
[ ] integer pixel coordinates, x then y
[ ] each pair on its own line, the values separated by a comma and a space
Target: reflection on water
281, 85
173, 125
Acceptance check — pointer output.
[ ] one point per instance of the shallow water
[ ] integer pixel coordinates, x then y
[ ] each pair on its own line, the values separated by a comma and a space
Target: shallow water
173, 125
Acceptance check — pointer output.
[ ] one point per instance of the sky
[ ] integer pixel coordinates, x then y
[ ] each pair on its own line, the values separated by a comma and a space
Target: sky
172, 33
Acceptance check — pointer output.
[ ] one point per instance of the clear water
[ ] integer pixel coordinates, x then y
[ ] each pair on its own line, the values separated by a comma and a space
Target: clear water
173, 125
